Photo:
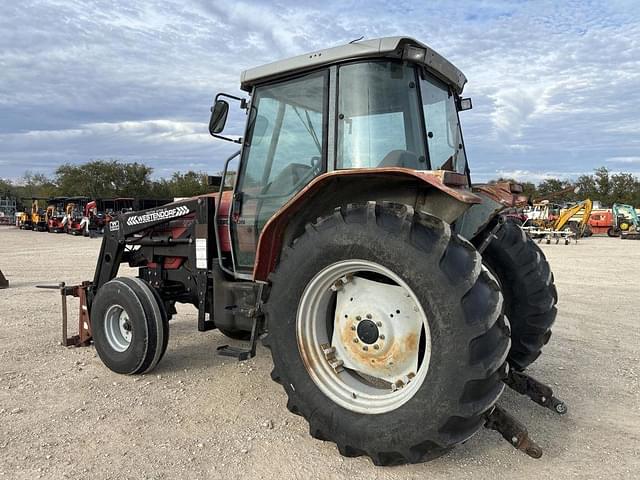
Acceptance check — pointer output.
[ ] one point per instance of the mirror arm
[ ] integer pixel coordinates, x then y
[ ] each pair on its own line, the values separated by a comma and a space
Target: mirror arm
222, 137
243, 101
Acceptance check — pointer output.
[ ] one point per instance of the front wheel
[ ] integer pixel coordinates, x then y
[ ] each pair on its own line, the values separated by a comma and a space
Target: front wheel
129, 325
386, 333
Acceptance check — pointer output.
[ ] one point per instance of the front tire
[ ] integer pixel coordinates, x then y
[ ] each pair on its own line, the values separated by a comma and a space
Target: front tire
129, 326
460, 343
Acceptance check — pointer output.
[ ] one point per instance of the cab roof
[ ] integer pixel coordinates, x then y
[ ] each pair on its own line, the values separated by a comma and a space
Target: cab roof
387, 47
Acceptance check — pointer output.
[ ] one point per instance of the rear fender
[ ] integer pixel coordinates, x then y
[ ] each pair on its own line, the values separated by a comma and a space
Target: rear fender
441, 193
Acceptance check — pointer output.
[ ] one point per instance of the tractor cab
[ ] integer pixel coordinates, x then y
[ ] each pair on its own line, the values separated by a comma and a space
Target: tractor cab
368, 106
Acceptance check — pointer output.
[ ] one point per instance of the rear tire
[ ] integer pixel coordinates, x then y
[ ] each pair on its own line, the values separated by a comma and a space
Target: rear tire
129, 325
529, 293
467, 344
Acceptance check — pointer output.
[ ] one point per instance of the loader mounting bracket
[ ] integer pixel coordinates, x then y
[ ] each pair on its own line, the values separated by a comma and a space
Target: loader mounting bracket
537, 391
512, 431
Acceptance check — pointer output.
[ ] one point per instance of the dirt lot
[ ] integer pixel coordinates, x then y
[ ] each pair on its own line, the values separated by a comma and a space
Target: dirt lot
64, 415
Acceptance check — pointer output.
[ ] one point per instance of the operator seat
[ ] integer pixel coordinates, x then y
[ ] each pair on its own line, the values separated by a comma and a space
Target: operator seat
402, 158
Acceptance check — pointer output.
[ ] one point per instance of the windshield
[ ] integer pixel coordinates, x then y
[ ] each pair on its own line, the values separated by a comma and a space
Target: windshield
379, 121
444, 138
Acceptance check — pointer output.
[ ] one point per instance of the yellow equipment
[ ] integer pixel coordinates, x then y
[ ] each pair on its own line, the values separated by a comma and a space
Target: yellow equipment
24, 220
38, 216
582, 209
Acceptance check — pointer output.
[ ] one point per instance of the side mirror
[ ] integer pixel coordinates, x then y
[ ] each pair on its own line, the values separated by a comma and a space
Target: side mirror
464, 104
218, 119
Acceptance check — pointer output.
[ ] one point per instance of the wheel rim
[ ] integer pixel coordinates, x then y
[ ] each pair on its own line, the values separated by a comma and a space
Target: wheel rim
118, 329
363, 336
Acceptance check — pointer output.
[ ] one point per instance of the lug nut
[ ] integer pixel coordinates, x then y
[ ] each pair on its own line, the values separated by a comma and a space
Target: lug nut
358, 318
379, 324
365, 348
355, 340
381, 337
369, 316
376, 346
353, 327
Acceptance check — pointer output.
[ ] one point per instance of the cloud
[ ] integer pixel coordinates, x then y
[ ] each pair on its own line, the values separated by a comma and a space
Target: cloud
554, 83
623, 160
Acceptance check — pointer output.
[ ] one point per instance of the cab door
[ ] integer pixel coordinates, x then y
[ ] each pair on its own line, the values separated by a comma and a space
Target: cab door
284, 149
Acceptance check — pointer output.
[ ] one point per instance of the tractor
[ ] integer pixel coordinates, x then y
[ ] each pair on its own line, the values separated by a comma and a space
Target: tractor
396, 301
55, 214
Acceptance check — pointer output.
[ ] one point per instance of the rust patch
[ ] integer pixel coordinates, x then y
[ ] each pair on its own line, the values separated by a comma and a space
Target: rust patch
506, 193
387, 356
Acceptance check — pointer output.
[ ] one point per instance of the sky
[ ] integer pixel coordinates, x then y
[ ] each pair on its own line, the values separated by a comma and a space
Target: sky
555, 85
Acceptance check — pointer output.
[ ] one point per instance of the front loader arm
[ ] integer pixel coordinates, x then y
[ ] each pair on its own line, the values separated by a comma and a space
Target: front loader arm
127, 229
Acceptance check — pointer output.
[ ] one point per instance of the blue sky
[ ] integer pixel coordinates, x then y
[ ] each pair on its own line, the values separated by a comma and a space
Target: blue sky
556, 85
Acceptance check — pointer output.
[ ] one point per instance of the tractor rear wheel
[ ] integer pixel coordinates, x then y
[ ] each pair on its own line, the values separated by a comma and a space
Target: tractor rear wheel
529, 293
386, 333
129, 326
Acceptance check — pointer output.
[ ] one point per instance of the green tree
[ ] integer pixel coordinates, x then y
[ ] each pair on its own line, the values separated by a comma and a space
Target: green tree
105, 178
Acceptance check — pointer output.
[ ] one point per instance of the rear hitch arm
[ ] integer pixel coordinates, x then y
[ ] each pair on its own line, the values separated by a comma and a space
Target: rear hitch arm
537, 391
512, 431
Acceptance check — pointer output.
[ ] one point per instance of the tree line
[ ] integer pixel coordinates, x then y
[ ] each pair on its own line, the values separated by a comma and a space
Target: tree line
603, 186
108, 179
112, 178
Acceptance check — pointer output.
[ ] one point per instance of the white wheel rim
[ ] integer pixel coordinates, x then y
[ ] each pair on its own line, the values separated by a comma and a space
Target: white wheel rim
372, 363
118, 328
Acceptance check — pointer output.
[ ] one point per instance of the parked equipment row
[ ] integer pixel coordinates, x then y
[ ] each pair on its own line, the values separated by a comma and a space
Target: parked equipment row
78, 215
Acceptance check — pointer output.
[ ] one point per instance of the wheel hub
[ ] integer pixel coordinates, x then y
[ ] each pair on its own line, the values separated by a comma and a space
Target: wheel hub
118, 328
367, 332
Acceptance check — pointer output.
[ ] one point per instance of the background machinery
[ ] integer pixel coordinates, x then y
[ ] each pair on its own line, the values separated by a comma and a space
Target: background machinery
76, 223
55, 214
576, 218
356, 247
626, 223
38, 214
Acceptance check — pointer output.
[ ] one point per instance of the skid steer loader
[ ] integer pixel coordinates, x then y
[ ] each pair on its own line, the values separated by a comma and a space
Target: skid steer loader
394, 299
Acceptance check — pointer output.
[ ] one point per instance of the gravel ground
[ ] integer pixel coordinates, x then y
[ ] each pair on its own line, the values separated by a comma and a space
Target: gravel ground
198, 415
